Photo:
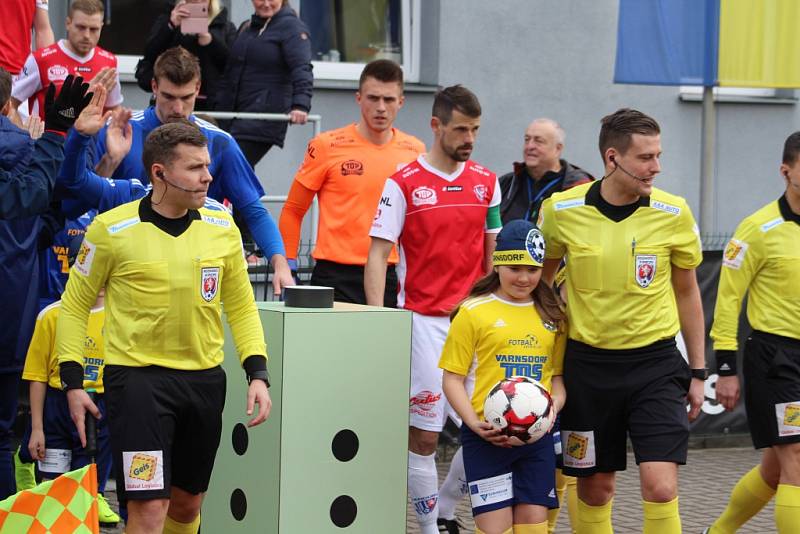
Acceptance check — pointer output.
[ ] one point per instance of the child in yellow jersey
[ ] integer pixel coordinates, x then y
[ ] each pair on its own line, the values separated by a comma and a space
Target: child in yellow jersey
511, 324
52, 438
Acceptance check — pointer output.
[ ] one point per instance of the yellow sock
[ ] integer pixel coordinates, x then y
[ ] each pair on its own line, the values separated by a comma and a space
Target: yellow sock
552, 515
531, 528
748, 497
479, 531
572, 502
661, 517
173, 527
787, 509
594, 519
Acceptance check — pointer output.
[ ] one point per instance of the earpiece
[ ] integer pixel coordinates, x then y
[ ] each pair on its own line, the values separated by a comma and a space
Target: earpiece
611, 158
160, 174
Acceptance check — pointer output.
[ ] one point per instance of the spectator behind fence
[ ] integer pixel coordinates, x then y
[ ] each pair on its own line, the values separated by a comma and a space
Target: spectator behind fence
541, 172
27, 177
211, 48
78, 55
268, 71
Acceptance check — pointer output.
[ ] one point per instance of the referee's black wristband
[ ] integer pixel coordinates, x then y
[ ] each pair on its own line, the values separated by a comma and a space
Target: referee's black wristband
256, 369
726, 362
71, 375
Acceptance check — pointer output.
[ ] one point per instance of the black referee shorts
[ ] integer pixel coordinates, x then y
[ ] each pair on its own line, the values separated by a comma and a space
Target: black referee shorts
347, 282
165, 428
772, 389
615, 393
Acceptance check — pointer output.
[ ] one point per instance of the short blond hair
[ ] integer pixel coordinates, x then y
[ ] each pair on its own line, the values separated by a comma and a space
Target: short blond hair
90, 7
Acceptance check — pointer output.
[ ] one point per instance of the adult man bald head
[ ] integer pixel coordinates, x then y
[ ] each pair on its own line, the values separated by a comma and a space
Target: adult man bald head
541, 172
541, 151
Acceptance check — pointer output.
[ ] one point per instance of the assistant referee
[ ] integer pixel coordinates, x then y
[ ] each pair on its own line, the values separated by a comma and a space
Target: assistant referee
168, 263
763, 259
632, 251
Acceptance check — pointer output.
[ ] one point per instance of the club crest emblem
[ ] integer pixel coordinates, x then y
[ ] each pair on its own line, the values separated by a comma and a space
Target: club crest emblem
645, 269
481, 192
534, 243
209, 283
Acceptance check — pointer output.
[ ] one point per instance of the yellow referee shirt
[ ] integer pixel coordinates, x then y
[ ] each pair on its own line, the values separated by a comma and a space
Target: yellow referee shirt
41, 363
495, 339
619, 274
764, 256
164, 294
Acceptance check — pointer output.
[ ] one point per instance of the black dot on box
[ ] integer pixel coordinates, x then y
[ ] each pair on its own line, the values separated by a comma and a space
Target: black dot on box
343, 511
240, 439
345, 445
238, 504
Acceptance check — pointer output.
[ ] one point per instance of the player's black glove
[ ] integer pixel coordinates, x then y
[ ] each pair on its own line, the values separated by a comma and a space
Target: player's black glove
60, 112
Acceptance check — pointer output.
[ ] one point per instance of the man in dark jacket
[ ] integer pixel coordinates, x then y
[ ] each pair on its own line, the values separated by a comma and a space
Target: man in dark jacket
27, 177
541, 173
211, 49
268, 71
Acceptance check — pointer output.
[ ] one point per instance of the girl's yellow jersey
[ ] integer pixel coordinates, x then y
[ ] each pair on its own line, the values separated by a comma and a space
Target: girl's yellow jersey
494, 339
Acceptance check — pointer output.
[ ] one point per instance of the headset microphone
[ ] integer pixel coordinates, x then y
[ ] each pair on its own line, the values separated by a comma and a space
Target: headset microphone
620, 167
160, 174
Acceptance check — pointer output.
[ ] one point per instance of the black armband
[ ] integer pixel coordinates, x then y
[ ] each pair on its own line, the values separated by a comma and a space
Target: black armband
726, 362
256, 369
71, 375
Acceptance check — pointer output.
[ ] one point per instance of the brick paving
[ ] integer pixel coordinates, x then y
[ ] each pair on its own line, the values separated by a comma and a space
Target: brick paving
705, 484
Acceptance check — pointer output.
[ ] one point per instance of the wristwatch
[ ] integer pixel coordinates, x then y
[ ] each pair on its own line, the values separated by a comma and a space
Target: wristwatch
700, 374
261, 374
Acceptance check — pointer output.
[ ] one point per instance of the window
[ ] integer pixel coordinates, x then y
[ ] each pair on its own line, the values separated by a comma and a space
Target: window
347, 34
753, 95
130, 24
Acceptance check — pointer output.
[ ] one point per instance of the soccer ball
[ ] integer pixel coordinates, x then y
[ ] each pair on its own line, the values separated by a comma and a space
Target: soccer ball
520, 407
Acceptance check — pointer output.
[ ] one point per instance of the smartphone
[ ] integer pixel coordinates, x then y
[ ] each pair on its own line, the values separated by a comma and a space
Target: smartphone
197, 21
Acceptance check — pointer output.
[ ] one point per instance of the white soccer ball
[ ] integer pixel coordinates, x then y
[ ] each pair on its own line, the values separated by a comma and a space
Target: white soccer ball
521, 407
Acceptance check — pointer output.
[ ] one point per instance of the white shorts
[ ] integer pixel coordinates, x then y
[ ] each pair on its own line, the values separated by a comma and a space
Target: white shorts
427, 406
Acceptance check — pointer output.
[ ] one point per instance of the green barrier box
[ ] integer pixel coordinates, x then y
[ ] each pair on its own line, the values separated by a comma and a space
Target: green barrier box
332, 457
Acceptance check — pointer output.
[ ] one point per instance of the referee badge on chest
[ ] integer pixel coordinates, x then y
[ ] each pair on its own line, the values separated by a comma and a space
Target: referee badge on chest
645, 269
209, 282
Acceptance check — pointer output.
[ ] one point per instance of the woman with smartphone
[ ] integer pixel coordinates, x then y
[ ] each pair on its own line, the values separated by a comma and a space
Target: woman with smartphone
269, 71
201, 27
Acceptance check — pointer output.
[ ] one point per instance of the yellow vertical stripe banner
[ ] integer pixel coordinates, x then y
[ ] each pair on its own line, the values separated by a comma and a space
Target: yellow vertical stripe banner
759, 44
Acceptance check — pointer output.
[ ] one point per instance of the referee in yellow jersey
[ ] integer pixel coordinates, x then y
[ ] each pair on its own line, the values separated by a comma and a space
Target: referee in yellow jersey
631, 254
168, 263
763, 259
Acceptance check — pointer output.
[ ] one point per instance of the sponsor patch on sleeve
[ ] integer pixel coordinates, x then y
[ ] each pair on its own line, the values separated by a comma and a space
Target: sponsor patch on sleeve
578, 448
663, 206
567, 204
734, 253
83, 262
144, 470
788, 415
216, 221
491, 490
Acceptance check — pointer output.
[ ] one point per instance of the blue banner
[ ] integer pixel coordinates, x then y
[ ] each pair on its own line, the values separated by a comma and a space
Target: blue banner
667, 42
